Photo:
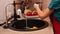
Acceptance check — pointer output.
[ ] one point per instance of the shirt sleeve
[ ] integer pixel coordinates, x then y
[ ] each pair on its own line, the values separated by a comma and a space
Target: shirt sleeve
55, 4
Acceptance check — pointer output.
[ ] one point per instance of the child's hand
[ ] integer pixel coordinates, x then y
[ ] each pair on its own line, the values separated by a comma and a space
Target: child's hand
36, 6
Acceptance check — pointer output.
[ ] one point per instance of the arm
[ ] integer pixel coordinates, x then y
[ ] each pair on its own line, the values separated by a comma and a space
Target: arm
44, 13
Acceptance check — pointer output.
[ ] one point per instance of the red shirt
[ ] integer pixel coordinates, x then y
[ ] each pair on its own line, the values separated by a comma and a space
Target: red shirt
56, 25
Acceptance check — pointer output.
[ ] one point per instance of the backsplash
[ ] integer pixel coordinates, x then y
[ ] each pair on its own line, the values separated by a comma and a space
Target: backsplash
3, 3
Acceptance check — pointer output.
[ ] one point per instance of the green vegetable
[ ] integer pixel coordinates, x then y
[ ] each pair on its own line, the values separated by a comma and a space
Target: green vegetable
31, 10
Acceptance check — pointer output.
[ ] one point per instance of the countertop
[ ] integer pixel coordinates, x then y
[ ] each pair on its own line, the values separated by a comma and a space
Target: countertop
47, 30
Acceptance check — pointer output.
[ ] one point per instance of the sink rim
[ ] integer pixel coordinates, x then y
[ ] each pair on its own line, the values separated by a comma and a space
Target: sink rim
12, 28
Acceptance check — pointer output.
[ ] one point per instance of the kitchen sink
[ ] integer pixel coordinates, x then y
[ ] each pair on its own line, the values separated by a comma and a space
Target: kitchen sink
29, 25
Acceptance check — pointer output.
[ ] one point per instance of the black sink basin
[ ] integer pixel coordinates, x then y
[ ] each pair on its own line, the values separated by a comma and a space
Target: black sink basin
31, 25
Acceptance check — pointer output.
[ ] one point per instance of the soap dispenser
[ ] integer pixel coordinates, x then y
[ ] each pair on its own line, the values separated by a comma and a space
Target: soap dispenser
19, 13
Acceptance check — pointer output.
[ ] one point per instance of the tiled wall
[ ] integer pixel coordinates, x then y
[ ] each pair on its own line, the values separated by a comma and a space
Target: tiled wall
3, 3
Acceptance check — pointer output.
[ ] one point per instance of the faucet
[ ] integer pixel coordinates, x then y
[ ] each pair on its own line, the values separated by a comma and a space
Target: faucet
22, 7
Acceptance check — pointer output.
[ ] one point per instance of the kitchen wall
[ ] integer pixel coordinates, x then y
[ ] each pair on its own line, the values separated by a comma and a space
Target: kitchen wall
46, 3
3, 3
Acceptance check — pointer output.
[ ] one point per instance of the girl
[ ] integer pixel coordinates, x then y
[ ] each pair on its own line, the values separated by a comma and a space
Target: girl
53, 11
